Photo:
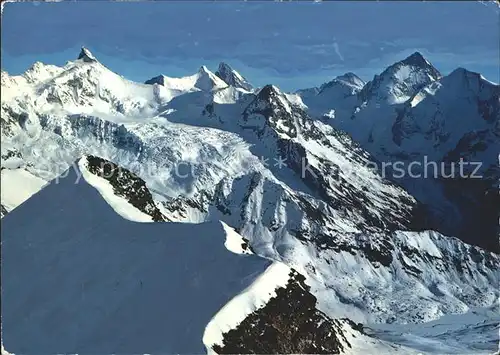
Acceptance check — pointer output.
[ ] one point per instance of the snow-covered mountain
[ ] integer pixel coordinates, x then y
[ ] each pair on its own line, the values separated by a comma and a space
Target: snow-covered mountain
300, 191
411, 113
203, 80
400, 81
105, 283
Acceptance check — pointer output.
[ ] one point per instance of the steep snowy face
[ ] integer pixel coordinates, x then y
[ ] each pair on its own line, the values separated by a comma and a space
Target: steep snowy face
270, 110
400, 81
322, 184
232, 77
327, 161
442, 113
208, 81
454, 120
434, 119
366, 110
432, 273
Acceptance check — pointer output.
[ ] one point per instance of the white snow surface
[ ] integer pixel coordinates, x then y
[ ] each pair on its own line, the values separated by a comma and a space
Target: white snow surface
474, 332
18, 185
78, 278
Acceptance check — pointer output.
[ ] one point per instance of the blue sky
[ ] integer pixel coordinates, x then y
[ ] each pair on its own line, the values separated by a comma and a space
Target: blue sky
293, 45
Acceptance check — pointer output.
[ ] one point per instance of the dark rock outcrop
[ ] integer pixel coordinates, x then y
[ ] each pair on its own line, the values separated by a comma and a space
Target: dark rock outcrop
127, 185
289, 323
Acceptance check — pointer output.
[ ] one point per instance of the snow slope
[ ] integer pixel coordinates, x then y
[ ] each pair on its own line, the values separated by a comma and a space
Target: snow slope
475, 332
19, 185
102, 284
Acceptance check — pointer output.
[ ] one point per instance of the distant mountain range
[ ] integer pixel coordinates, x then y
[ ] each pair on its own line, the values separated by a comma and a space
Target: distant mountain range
352, 257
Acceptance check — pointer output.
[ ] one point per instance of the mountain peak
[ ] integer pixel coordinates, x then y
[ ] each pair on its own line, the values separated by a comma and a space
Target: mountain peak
204, 70
269, 91
160, 80
416, 59
401, 80
348, 76
232, 77
346, 83
207, 80
271, 97
473, 81
86, 56
462, 72
419, 63
224, 67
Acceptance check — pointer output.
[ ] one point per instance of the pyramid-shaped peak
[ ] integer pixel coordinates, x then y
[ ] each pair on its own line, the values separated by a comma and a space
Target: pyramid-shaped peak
232, 77
204, 70
86, 55
416, 59
401, 80
268, 92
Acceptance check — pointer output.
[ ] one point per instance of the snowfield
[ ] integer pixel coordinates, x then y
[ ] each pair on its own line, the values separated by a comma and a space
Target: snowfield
103, 284
21, 185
